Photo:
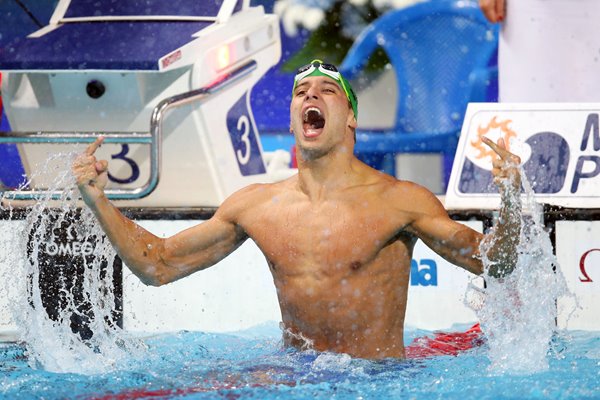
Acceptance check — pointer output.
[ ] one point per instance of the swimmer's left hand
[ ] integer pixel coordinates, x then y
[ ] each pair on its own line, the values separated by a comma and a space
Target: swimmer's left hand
505, 165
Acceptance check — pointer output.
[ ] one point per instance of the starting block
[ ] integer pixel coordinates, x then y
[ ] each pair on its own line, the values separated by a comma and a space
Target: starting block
167, 83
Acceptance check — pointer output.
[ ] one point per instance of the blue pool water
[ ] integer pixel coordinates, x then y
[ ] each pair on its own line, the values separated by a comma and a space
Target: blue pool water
253, 364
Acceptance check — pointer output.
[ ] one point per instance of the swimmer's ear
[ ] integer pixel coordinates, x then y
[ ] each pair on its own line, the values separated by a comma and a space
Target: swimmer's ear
353, 123
291, 130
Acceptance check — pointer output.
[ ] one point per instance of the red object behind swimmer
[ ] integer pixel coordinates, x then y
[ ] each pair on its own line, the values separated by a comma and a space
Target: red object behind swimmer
448, 344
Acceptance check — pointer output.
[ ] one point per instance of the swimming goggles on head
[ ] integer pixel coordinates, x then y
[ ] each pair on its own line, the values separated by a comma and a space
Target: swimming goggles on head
319, 68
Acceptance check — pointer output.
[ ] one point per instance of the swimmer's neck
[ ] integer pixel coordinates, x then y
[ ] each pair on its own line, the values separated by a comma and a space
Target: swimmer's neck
330, 173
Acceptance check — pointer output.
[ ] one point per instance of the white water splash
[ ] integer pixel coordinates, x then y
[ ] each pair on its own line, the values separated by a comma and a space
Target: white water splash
332, 361
51, 343
518, 314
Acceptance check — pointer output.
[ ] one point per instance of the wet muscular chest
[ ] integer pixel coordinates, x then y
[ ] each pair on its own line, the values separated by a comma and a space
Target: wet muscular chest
330, 235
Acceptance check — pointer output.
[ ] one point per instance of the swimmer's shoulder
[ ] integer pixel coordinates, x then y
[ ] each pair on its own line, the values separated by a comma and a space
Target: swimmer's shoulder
253, 197
410, 197
265, 191
388, 185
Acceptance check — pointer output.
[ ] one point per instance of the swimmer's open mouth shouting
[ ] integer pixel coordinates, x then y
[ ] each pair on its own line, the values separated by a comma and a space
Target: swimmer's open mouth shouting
313, 121
313, 118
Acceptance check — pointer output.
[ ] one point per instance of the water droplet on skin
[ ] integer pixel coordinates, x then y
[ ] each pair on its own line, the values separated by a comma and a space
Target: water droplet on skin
465, 251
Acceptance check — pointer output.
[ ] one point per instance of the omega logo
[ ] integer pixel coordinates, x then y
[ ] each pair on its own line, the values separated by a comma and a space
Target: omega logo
72, 249
586, 277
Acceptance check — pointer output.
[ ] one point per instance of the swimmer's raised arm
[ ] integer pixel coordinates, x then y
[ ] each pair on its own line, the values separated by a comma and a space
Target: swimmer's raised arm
459, 244
154, 260
505, 237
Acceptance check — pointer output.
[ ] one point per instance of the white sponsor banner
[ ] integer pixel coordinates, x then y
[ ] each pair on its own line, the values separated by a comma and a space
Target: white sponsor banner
559, 146
578, 254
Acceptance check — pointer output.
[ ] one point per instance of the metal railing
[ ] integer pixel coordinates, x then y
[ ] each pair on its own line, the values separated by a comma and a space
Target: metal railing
154, 138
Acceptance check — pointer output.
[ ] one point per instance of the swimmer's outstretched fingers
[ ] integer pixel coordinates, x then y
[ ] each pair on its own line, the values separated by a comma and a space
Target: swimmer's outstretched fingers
91, 149
500, 149
87, 168
505, 165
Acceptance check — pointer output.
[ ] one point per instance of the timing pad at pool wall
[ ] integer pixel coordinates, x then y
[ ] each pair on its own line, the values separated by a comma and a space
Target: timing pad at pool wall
61, 259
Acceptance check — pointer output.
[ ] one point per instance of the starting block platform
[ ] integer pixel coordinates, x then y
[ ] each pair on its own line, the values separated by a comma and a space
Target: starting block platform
167, 83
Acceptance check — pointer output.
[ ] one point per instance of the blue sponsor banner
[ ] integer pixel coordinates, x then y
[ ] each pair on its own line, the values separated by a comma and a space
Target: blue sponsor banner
242, 132
559, 146
423, 272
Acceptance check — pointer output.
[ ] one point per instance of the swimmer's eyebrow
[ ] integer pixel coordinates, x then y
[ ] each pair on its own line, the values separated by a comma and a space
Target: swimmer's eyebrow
330, 83
301, 84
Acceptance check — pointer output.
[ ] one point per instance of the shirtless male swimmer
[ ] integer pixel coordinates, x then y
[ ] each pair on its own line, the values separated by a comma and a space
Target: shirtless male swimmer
338, 240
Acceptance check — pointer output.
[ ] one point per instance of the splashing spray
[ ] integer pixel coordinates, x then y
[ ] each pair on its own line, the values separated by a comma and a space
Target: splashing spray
518, 313
61, 283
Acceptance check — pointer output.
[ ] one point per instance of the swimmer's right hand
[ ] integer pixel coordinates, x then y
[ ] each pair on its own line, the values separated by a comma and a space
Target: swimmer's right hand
91, 175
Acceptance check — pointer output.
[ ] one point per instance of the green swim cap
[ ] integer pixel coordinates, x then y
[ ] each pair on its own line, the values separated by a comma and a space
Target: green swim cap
318, 68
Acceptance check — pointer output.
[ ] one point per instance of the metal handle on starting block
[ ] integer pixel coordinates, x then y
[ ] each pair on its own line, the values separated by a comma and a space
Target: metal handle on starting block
86, 137
154, 138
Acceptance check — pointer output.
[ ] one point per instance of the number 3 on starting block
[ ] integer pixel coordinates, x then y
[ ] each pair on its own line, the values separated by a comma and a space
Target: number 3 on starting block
242, 131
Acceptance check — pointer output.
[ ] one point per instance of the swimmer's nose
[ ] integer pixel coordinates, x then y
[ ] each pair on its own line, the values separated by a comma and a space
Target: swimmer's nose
311, 93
